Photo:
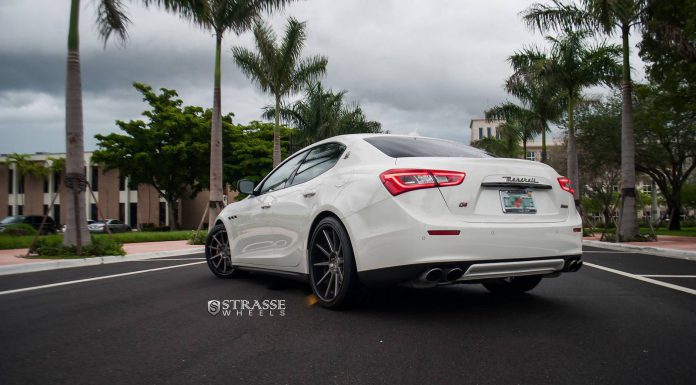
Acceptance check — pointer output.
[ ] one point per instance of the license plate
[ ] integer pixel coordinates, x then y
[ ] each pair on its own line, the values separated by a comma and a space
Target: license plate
517, 202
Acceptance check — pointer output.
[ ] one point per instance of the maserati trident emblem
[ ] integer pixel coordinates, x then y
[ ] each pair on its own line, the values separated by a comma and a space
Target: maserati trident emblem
213, 307
519, 179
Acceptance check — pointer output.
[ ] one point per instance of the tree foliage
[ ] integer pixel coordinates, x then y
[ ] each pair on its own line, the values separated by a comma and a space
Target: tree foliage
278, 68
168, 151
507, 142
323, 113
248, 150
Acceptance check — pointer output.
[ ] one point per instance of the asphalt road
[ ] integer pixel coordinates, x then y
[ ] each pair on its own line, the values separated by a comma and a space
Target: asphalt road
592, 327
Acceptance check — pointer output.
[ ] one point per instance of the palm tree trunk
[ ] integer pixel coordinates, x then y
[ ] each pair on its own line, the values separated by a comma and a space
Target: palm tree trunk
629, 222
524, 148
276, 133
543, 145
76, 233
573, 154
215, 202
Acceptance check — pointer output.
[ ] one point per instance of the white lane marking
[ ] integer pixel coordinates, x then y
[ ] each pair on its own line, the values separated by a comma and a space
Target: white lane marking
644, 279
169, 259
604, 252
94, 279
667, 276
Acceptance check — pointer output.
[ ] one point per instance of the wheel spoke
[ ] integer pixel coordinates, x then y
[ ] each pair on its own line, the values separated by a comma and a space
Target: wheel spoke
328, 287
323, 278
322, 263
323, 250
328, 240
336, 286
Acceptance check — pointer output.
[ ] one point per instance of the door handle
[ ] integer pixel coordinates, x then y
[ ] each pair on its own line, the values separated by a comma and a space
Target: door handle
266, 206
309, 193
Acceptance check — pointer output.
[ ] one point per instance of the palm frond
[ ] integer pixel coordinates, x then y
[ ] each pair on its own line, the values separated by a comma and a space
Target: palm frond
557, 16
252, 66
112, 18
308, 70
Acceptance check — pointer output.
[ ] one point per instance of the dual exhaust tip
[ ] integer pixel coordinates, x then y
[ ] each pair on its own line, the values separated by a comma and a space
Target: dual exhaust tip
436, 275
574, 265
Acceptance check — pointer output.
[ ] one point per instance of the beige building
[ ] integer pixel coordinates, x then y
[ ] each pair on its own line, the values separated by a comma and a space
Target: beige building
482, 128
115, 199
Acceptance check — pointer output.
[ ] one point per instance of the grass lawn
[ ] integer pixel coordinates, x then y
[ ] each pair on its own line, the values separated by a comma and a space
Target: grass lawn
684, 232
22, 242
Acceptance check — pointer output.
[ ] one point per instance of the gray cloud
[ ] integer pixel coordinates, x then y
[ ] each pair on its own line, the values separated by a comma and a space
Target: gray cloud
416, 66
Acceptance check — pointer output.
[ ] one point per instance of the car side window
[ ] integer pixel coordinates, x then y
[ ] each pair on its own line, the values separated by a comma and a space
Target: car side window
319, 160
279, 177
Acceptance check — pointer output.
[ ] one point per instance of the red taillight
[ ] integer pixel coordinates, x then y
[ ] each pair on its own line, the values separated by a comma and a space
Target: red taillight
565, 184
399, 181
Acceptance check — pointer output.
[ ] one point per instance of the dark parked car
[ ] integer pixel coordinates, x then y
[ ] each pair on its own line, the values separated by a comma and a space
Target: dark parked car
32, 220
115, 226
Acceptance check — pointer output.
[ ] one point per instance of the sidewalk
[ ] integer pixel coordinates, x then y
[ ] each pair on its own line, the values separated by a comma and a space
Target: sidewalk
666, 246
13, 261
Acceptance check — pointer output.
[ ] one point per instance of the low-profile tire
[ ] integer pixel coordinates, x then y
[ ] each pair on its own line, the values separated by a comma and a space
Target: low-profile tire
332, 271
217, 253
512, 285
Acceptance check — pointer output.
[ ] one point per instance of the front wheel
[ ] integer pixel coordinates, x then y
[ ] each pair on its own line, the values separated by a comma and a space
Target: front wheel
217, 253
512, 285
332, 270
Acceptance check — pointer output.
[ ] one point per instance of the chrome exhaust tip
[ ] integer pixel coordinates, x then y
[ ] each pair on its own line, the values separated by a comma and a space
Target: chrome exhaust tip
578, 265
571, 265
432, 275
454, 274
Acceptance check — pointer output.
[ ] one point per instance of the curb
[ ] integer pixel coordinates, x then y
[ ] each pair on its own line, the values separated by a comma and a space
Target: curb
67, 263
662, 252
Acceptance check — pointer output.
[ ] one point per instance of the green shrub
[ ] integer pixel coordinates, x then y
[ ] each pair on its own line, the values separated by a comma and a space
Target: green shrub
19, 229
197, 237
151, 227
100, 246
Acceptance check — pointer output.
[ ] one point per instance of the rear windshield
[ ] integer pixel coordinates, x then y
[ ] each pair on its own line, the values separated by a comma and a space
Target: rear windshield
408, 147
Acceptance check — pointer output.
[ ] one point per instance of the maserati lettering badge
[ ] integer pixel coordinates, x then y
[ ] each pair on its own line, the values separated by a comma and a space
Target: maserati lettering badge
519, 179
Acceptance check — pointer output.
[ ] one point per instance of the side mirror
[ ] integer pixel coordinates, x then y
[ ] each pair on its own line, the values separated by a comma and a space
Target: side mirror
246, 186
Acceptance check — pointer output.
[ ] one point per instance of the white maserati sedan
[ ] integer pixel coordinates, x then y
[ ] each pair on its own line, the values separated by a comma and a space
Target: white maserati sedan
358, 211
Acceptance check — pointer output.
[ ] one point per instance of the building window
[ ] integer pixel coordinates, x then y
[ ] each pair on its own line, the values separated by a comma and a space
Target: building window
56, 214
133, 215
94, 214
10, 178
45, 209
531, 155
20, 185
45, 185
647, 188
480, 133
488, 132
56, 181
20, 210
95, 178
9, 210
122, 212
162, 213
121, 183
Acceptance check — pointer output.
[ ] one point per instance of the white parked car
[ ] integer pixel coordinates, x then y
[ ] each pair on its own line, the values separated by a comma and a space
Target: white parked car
358, 211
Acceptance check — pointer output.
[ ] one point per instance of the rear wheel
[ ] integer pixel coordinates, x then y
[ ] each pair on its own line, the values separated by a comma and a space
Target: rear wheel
332, 270
512, 285
217, 253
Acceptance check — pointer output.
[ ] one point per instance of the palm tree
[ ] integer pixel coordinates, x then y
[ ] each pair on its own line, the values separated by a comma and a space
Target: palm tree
111, 18
221, 16
605, 16
572, 66
322, 114
278, 68
525, 123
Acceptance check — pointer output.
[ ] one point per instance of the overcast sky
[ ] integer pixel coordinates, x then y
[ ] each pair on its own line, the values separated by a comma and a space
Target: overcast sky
424, 67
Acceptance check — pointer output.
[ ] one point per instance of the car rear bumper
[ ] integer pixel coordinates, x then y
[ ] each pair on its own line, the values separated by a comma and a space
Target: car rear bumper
385, 236
471, 271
